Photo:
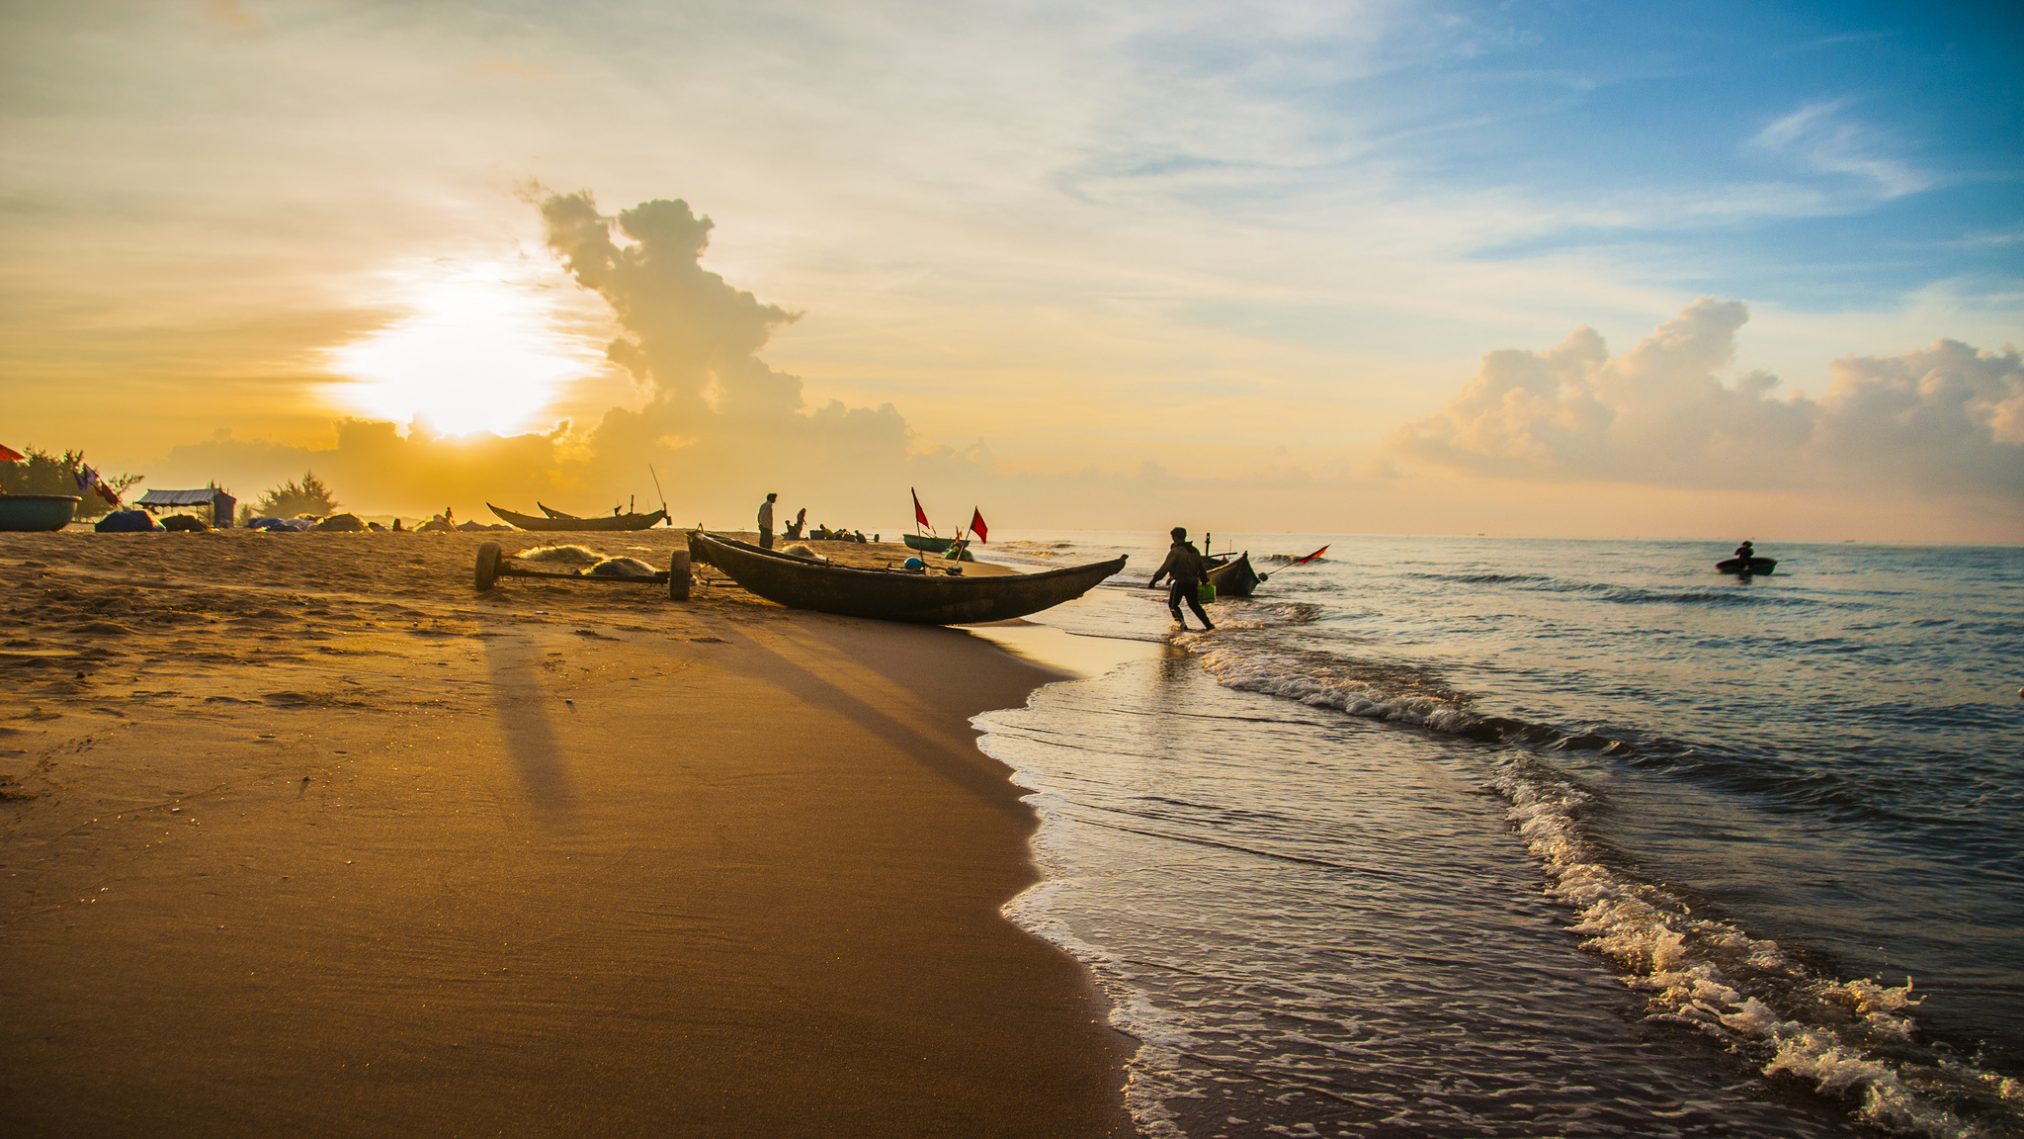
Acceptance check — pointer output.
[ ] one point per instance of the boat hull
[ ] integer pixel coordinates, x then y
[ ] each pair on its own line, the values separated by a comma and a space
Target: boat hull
1746, 565
37, 511
926, 544
1233, 577
614, 522
895, 595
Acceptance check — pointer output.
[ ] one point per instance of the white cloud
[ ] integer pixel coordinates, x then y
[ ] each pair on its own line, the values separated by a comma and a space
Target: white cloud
1945, 420
1821, 138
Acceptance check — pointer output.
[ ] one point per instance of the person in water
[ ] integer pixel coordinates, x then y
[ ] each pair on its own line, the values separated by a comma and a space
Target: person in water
1185, 566
1746, 551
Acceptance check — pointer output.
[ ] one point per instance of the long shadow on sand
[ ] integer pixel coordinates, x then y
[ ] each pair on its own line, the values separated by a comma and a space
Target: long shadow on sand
975, 773
514, 665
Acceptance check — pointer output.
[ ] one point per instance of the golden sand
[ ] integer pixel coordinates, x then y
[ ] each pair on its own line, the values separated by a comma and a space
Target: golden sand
305, 836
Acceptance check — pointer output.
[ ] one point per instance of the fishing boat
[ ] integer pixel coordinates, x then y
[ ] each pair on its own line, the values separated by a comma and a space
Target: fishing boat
1232, 575
37, 511
930, 598
610, 522
929, 544
1746, 566
551, 512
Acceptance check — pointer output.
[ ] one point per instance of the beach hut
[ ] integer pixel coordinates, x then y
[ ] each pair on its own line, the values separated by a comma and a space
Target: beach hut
220, 504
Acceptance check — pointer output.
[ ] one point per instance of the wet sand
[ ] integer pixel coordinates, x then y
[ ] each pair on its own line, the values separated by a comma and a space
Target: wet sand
303, 835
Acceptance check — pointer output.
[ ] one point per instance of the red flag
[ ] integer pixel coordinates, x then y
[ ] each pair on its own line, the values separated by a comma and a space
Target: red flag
1310, 557
920, 516
10, 455
977, 526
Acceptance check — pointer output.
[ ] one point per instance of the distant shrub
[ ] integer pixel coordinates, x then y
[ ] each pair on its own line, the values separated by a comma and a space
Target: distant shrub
43, 473
289, 499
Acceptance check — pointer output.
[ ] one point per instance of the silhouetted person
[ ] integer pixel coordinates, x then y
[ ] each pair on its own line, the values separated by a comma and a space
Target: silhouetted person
1746, 551
766, 521
799, 526
1185, 566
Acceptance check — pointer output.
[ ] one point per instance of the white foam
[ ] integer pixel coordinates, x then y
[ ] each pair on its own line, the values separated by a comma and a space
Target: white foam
1846, 1038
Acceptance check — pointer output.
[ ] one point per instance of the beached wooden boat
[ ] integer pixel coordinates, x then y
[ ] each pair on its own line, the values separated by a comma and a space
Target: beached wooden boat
37, 511
1232, 575
610, 522
931, 598
1746, 566
954, 549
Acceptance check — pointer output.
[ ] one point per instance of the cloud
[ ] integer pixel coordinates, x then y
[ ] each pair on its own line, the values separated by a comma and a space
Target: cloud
1946, 419
1821, 138
718, 426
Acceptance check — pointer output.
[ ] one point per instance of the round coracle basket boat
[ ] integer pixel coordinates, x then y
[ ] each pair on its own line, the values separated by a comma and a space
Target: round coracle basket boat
37, 511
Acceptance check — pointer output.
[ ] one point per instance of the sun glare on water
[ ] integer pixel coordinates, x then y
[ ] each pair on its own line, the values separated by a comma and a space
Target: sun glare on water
479, 351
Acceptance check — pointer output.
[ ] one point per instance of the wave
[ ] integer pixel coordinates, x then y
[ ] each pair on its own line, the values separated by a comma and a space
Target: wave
1712, 595
1850, 1039
1420, 697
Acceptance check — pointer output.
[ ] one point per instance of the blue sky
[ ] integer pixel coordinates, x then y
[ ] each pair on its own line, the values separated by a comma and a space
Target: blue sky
1294, 234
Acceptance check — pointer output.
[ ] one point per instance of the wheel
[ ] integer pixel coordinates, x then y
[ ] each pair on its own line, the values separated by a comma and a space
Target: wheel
488, 565
678, 576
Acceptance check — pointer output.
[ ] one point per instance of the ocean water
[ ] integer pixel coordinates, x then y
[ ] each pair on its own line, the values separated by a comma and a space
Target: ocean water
1470, 837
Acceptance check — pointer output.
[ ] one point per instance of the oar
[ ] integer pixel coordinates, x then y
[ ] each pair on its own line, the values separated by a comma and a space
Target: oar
1308, 560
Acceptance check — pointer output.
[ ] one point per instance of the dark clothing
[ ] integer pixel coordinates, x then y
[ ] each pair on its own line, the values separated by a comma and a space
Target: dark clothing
1184, 564
766, 525
1177, 593
1187, 568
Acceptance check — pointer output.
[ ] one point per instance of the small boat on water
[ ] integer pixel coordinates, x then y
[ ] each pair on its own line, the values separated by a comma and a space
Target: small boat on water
37, 511
930, 598
1232, 575
1746, 566
611, 522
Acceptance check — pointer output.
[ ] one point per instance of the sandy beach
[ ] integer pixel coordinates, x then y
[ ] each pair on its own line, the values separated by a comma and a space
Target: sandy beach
304, 835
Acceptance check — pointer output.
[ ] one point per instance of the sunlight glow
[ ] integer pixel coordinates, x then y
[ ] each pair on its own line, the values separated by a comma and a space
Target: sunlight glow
480, 351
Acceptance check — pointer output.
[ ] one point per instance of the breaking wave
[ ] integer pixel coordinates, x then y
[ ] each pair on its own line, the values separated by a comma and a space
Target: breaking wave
1854, 1040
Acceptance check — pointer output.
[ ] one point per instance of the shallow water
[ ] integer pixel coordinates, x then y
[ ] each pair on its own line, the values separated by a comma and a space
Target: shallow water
1475, 837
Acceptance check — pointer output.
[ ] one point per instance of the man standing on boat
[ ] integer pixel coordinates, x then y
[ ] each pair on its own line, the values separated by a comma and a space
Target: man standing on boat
766, 520
1185, 566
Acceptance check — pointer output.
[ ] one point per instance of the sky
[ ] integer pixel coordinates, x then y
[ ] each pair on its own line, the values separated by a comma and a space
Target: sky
1532, 268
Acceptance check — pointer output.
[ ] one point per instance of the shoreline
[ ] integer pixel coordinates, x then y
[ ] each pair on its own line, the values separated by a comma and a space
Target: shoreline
304, 834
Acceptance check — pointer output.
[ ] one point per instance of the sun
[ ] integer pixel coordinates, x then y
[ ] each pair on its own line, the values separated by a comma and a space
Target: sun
479, 351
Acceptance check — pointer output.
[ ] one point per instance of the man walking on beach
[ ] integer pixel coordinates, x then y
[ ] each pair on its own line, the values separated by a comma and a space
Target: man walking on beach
1185, 566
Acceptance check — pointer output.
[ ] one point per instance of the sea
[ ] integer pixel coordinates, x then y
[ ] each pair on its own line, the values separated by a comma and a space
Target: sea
1452, 836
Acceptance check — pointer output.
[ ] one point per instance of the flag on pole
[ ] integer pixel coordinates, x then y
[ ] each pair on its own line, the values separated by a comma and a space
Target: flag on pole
977, 526
88, 482
920, 516
10, 455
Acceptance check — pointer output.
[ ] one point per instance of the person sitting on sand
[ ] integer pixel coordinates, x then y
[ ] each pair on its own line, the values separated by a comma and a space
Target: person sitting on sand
799, 526
1185, 566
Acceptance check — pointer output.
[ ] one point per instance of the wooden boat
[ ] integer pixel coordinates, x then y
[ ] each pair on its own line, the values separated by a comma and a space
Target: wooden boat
895, 595
611, 522
1746, 566
37, 511
954, 549
551, 512
1232, 575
